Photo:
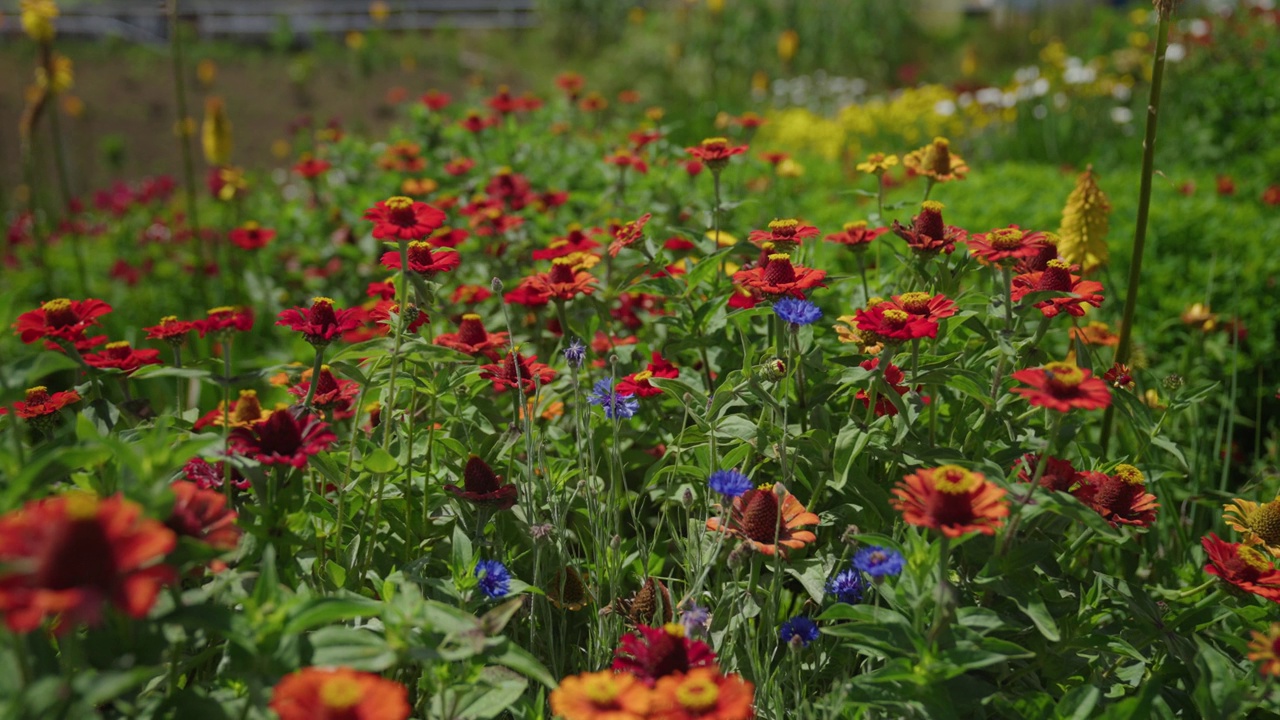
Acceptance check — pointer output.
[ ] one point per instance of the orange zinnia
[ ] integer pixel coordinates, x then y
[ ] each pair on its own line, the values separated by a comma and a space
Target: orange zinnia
702, 693
766, 518
316, 694
951, 500
1265, 649
603, 695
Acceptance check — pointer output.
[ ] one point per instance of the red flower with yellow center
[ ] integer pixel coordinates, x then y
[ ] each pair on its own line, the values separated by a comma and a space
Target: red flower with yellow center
422, 260
203, 515
780, 277
402, 218
334, 396
473, 339
628, 234
281, 439
951, 500
895, 377
650, 653
1058, 474
1242, 566
927, 235
1265, 647
624, 158
1061, 386
225, 319
123, 357
932, 307
459, 166
482, 486
339, 694
252, 236
244, 412
310, 168
936, 162
40, 405
603, 695
518, 371
564, 281
768, 519
638, 383
575, 241
320, 323
61, 319
448, 237
856, 235
702, 694
1120, 498
715, 152
1005, 246
69, 556
1258, 523
435, 100
1095, 333
171, 330
890, 323
1057, 277
789, 232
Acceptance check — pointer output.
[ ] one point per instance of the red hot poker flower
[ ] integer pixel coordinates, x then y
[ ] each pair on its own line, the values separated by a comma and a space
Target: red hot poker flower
281, 439
60, 319
638, 383
481, 486
422, 260
320, 323
894, 324
951, 500
252, 236
1061, 386
1057, 277
856, 235
1242, 566
339, 694
121, 356
564, 281
715, 152
787, 232
473, 339
628, 234
780, 277
518, 371
927, 235
402, 218
69, 556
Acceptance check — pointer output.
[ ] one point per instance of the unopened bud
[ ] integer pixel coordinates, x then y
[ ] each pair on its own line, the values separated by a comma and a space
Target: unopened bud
687, 498
850, 535
772, 370
739, 555
1173, 382
496, 284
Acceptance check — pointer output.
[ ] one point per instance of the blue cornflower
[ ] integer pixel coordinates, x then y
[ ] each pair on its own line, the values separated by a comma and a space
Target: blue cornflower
695, 619
799, 629
495, 579
615, 406
729, 483
878, 562
797, 312
575, 354
846, 586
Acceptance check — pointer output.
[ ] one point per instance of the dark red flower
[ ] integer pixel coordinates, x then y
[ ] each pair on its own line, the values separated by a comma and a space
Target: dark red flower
779, 277
435, 100
252, 236
122, 356
893, 324
473, 339
282, 439
310, 167
1057, 277
638, 383
320, 323
894, 376
202, 514
927, 235
476, 123
1242, 566
334, 396
1226, 185
459, 166
1121, 498
480, 486
1058, 474
715, 152
650, 653
60, 319
210, 476
225, 319
518, 371
402, 218
422, 260
1061, 386
856, 235
1119, 376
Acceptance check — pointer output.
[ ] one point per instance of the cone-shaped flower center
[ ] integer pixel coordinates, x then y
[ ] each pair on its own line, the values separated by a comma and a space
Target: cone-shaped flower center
929, 222
643, 375
1114, 494
698, 694
896, 317
715, 143
118, 350
1056, 277
760, 516
58, 313
1066, 377
327, 382
784, 228
1265, 522
341, 693
779, 269
516, 367
954, 480
37, 394
478, 477
279, 433
916, 303
220, 311
1006, 238
420, 253
938, 158
79, 554
321, 312
401, 210
601, 689
471, 330
248, 409
562, 271
1248, 563
858, 226
1130, 475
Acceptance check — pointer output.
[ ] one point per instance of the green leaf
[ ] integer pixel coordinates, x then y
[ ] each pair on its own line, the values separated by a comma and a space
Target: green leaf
1035, 609
317, 612
351, 647
517, 658
380, 461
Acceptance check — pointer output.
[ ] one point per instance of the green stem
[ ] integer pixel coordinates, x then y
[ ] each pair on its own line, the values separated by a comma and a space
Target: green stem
315, 377
188, 165
1006, 275
942, 609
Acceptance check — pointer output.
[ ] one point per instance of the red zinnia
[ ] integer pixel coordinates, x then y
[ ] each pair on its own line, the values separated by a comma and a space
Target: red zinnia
170, 329
931, 307
856, 235
339, 694
435, 100
422, 260
779, 277
951, 500
768, 517
402, 218
518, 371
715, 152
575, 241
222, 319
202, 514
564, 281
40, 405
894, 376
447, 237
1057, 277
481, 486
1121, 498
628, 234
320, 323
789, 232
650, 653
927, 235
1005, 246
638, 383
1058, 474
473, 339
1061, 386
282, 439
893, 324
252, 236
70, 555
60, 319
459, 166
311, 168
122, 356
1242, 566
245, 411
333, 395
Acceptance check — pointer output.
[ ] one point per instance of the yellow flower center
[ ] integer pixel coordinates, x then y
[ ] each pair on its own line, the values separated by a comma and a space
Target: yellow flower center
1050, 239
954, 480
37, 390
895, 316
914, 301
855, 226
57, 305
81, 505
698, 694
225, 309
601, 689
251, 225
563, 261
674, 629
933, 205
786, 224
1057, 264
1006, 239
471, 316
1130, 475
714, 142
779, 256
1265, 522
399, 202
1254, 559
1065, 375
874, 301
248, 394
168, 319
643, 375
319, 299
341, 693
765, 487
121, 345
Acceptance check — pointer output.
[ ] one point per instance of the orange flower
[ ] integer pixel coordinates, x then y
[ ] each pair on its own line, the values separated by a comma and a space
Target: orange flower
778, 276
564, 281
702, 693
473, 339
1095, 333
203, 515
767, 517
951, 500
603, 695
936, 162
1258, 524
1121, 498
628, 234
1242, 566
1265, 649
340, 693
1061, 386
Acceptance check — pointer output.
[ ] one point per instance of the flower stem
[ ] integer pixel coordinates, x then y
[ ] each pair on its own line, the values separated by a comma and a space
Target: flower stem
942, 609
1006, 275
315, 377
184, 140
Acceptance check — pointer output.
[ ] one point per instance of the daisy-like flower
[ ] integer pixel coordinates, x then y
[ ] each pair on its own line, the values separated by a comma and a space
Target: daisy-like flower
1048, 243
615, 405
927, 236
564, 281
473, 339
1095, 333
768, 519
650, 653
575, 241
799, 630
123, 357
846, 586
60, 319
639, 384
848, 333
40, 408
603, 695
702, 694
1005, 246
893, 324
422, 259
252, 236
202, 514
878, 562
281, 439
320, 323
1058, 474
311, 168
402, 218
856, 235
786, 233
1057, 277
876, 163
518, 371
951, 500
628, 234
315, 694
1265, 647
70, 556
1119, 376
922, 304
208, 475
493, 578
1242, 566
715, 152
1257, 523
894, 376
335, 396
224, 320
1121, 498
779, 277
936, 161
245, 411
1062, 386
481, 486
170, 329
729, 483
796, 312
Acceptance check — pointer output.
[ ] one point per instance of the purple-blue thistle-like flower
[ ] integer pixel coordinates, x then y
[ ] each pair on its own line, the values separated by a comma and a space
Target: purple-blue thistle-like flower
796, 311
695, 619
729, 483
878, 562
616, 407
846, 586
575, 354
799, 629
495, 579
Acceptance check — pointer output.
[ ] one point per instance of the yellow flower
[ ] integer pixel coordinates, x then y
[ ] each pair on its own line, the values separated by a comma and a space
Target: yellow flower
215, 135
724, 239
355, 40
280, 148
1082, 238
232, 183
72, 106
788, 43
759, 81
715, 6
847, 331
37, 19
936, 161
1258, 524
206, 72
790, 169
379, 11
1199, 314
877, 163
63, 77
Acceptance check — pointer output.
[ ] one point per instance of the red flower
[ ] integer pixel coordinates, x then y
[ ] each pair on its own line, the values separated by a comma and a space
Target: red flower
480, 486
207, 476
931, 307
61, 319
245, 411
459, 166
339, 694
40, 405
333, 395
320, 323
435, 100
202, 514
470, 294
422, 260
1061, 386
311, 168
774, 158
252, 236
779, 277
693, 167
563, 282
856, 235
575, 241
1005, 246
68, 556
789, 232
628, 234
893, 324
768, 517
715, 152
638, 383
624, 158
475, 123
170, 329
571, 83
1058, 474
1119, 376
502, 102
225, 319
518, 371
1121, 498
447, 237
951, 500
1242, 566
282, 440
1226, 185
122, 356
895, 377
927, 235
650, 653
401, 218
473, 339
1271, 196
1057, 277
527, 295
